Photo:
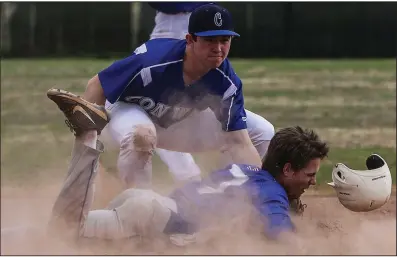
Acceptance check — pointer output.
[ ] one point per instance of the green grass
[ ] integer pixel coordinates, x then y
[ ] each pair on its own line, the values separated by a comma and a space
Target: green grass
349, 96
325, 116
83, 67
375, 94
315, 65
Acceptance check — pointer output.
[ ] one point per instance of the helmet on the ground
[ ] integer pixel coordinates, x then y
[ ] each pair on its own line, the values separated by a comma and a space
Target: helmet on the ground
363, 190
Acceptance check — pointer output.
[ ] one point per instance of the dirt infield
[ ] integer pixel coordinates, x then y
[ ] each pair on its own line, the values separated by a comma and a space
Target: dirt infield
325, 228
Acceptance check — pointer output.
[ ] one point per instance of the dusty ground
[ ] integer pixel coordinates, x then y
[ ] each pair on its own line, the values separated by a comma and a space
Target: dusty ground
325, 228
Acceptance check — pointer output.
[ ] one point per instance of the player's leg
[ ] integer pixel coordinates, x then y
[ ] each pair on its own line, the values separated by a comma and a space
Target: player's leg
170, 25
131, 129
181, 165
75, 198
87, 121
134, 212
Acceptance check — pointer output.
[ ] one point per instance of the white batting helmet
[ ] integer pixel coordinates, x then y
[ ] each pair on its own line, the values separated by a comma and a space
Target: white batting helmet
363, 190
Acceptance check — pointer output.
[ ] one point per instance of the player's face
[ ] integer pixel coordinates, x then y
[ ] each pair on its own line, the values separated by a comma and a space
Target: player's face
212, 51
300, 180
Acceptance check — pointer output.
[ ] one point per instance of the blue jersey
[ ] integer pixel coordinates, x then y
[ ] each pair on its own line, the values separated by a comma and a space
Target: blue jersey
176, 7
223, 192
152, 77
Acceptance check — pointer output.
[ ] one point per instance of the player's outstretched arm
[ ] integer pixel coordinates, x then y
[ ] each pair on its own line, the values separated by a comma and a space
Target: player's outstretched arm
240, 148
94, 92
273, 207
278, 226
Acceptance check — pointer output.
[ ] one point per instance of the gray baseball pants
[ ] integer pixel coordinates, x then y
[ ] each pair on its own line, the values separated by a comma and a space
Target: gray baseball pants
135, 212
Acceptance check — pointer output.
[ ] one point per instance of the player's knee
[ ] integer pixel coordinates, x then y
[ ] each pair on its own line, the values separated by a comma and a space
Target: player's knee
145, 138
141, 139
138, 144
136, 150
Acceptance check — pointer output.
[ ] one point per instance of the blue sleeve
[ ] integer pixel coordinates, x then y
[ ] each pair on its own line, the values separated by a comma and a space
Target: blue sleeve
176, 7
229, 109
118, 76
274, 214
276, 219
233, 116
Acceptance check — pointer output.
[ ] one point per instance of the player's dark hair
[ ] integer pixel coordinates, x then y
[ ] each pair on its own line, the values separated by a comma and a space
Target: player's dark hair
293, 145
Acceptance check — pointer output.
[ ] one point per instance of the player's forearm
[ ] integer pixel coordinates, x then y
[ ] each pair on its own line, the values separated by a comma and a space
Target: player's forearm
244, 154
94, 92
238, 146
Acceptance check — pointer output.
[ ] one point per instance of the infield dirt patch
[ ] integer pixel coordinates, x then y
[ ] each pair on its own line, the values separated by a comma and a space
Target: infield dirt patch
325, 228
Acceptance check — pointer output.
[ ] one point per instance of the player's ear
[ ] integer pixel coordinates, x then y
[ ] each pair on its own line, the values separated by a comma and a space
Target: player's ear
190, 38
287, 171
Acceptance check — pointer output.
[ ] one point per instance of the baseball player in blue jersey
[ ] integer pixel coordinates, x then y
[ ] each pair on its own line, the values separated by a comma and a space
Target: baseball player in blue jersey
180, 95
288, 169
171, 21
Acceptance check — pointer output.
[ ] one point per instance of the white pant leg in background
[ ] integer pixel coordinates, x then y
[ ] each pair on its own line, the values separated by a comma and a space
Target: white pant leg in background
134, 212
260, 130
170, 25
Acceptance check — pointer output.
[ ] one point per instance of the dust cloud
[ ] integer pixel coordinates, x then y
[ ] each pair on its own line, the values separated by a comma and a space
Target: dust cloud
326, 228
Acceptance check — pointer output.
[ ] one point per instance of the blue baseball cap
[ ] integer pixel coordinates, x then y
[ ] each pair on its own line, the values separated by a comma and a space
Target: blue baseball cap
211, 20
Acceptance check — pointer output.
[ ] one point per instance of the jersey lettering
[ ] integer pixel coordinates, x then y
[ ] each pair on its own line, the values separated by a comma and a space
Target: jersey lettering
159, 110
179, 112
146, 103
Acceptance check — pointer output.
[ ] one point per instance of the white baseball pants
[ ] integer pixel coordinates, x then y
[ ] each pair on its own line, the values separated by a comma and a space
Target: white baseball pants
132, 130
170, 25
